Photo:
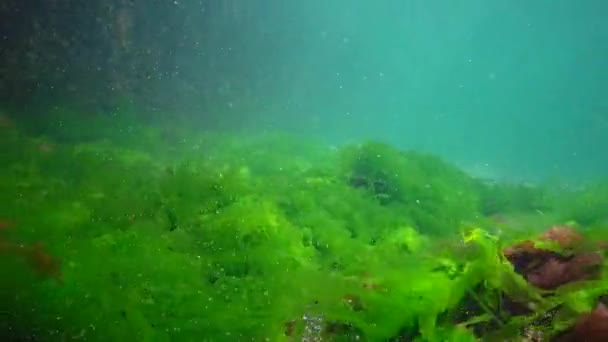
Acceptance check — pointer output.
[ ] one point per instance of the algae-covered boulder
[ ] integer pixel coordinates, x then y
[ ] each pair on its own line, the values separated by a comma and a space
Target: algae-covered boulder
435, 194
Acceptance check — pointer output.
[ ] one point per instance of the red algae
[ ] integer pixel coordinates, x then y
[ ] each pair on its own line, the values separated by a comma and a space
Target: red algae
37, 257
549, 270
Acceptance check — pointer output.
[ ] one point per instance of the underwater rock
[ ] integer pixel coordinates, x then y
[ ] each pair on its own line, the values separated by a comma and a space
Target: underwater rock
316, 328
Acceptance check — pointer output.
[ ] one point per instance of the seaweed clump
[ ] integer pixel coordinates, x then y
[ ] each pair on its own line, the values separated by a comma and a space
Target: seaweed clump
559, 257
436, 195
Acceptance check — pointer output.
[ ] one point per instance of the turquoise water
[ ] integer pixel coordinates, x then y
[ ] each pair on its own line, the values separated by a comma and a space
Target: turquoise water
517, 85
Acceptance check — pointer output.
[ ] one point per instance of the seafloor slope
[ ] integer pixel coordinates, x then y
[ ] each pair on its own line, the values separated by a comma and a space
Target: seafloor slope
133, 233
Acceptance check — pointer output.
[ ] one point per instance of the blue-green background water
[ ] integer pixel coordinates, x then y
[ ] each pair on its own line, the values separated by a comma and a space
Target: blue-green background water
508, 89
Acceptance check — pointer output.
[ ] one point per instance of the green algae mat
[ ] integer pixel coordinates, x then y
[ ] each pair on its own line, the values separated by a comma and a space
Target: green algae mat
131, 233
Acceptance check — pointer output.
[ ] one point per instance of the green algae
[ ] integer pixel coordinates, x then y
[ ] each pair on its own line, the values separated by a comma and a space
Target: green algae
258, 238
